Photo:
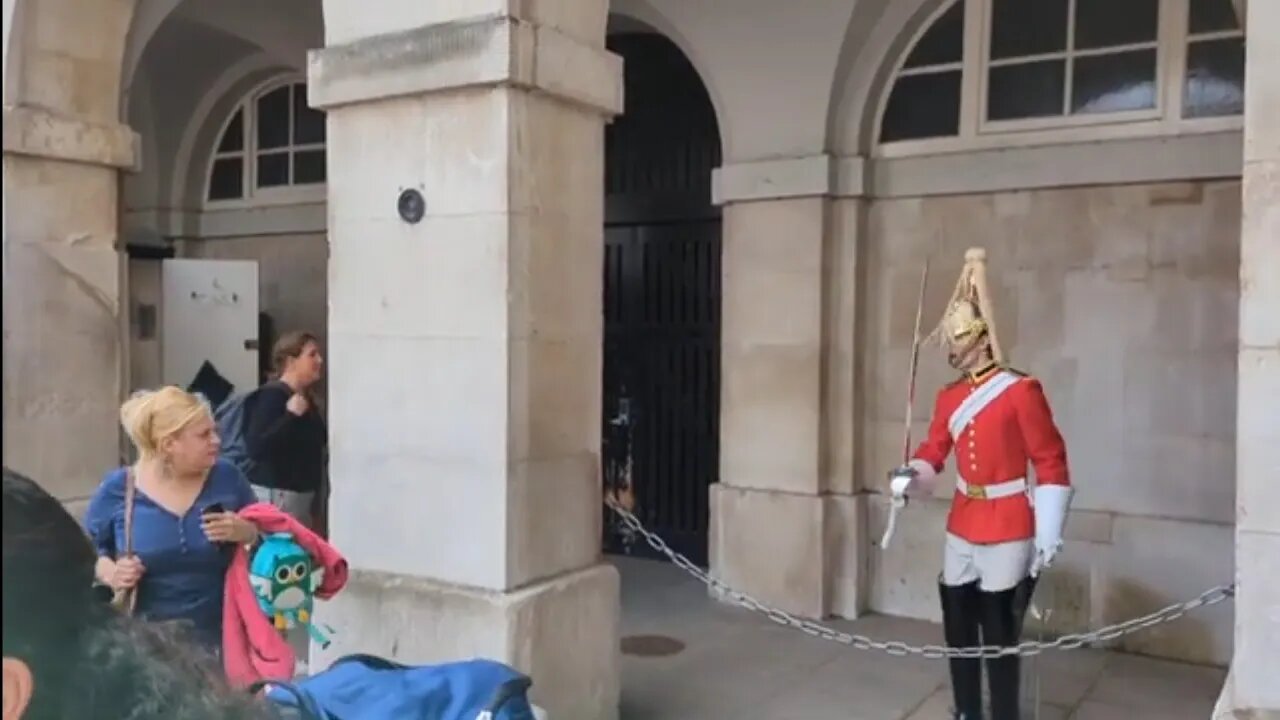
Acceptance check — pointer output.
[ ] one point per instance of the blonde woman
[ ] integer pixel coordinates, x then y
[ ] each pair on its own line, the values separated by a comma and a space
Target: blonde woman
65, 656
184, 505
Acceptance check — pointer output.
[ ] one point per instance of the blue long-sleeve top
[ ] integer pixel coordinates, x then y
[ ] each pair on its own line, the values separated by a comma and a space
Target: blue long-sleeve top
184, 572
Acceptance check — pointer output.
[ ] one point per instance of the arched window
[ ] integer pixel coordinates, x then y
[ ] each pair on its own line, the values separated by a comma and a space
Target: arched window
997, 67
273, 142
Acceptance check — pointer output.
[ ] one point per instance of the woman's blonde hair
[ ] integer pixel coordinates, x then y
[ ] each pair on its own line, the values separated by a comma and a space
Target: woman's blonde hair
150, 416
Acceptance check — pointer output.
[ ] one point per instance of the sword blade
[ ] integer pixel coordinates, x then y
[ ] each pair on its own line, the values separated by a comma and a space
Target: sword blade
915, 361
899, 502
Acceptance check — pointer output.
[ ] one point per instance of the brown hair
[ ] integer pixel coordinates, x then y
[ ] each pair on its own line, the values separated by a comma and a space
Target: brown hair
289, 347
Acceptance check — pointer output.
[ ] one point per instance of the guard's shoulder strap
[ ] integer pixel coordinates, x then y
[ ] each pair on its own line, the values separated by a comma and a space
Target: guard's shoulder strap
980, 399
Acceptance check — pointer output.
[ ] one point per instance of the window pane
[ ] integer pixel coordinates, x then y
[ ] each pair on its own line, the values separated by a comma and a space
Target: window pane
922, 106
1215, 78
1027, 90
226, 180
308, 124
1107, 23
308, 167
1212, 15
1114, 83
273, 119
1027, 27
943, 42
273, 170
233, 136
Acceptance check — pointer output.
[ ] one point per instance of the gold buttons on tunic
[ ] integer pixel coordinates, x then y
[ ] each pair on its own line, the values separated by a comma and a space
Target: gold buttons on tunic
973, 452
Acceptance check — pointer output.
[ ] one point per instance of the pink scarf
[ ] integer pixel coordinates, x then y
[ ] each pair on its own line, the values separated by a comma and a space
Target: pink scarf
252, 648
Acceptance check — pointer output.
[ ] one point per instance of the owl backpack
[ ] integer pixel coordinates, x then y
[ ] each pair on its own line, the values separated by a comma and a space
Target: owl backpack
284, 577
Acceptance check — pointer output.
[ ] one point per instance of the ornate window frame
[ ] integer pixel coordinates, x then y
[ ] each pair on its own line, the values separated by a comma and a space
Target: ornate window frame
976, 132
249, 152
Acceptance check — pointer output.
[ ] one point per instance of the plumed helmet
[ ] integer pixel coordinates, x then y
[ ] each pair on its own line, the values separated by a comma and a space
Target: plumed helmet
969, 312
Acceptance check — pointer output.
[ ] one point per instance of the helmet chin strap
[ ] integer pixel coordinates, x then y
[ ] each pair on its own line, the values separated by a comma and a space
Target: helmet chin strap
968, 358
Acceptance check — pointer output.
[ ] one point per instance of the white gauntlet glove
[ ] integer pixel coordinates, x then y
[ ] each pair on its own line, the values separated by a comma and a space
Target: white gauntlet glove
916, 475
901, 479
1050, 504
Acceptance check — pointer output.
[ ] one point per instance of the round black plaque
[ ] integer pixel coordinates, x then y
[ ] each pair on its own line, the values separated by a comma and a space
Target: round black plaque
411, 205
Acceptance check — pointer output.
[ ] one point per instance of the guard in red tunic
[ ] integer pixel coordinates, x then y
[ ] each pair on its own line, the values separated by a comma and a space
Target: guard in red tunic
1002, 531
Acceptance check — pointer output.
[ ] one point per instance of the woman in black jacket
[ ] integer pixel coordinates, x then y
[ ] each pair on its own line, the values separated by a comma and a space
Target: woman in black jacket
284, 432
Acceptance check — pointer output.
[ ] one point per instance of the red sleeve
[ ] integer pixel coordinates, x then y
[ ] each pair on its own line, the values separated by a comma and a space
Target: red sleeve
1040, 435
937, 445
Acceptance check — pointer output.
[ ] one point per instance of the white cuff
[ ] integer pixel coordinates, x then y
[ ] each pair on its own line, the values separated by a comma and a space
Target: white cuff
925, 475
1051, 503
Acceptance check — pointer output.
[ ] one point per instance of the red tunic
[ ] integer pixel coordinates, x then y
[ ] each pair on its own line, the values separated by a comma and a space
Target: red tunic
1014, 430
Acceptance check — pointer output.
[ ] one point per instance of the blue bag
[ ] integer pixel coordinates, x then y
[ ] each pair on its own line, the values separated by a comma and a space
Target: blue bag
366, 687
231, 418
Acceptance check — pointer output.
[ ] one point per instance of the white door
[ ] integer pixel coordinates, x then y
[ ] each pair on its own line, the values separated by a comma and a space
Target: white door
210, 315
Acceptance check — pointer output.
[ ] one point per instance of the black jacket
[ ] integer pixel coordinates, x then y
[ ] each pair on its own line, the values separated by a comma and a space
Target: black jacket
291, 445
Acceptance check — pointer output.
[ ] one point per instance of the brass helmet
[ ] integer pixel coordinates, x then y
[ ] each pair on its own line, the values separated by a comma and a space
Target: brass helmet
969, 312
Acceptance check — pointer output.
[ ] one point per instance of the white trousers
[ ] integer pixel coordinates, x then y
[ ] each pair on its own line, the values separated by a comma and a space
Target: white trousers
296, 504
996, 567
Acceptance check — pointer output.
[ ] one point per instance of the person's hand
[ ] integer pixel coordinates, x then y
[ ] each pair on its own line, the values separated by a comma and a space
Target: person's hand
228, 528
297, 404
1050, 503
1043, 558
128, 571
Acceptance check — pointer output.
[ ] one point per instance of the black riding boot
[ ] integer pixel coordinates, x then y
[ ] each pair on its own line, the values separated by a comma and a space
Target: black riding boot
960, 620
1002, 615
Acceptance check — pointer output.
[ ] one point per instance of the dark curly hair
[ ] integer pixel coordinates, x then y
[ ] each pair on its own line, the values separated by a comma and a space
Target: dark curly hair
88, 661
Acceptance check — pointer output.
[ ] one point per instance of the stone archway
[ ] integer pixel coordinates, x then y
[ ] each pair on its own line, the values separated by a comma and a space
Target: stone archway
64, 147
862, 73
662, 296
466, 434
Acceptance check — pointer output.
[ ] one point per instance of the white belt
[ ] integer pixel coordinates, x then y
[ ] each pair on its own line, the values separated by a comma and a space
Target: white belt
991, 492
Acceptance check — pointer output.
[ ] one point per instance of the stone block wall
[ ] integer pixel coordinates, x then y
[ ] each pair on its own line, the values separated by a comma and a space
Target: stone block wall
1123, 301
64, 148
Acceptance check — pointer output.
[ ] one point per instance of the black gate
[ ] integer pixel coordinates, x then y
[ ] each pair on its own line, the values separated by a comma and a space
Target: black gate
661, 300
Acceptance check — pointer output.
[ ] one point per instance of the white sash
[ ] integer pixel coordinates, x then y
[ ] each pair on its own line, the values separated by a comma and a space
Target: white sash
979, 400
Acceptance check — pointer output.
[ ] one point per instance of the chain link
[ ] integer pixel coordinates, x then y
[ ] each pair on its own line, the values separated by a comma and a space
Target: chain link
861, 642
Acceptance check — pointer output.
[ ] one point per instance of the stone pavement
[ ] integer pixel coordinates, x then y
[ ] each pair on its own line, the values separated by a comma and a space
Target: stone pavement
738, 666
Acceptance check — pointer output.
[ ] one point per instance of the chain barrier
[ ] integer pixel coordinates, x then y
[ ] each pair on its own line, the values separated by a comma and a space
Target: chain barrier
861, 642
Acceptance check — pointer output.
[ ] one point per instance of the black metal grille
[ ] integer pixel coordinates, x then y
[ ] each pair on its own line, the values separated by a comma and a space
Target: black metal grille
662, 298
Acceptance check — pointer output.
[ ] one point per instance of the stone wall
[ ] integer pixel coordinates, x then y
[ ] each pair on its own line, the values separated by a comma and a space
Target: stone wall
1123, 301
1257, 633
64, 148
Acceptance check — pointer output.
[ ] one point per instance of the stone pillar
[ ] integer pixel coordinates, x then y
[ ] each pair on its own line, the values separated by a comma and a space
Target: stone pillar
1257, 637
785, 524
64, 149
466, 394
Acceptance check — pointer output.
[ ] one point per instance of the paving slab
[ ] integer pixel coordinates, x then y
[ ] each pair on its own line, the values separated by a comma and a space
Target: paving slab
732, 664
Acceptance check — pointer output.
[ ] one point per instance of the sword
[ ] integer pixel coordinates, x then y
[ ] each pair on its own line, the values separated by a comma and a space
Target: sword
900, 501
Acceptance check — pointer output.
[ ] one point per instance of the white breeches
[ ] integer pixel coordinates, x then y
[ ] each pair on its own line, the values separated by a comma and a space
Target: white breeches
995, 567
